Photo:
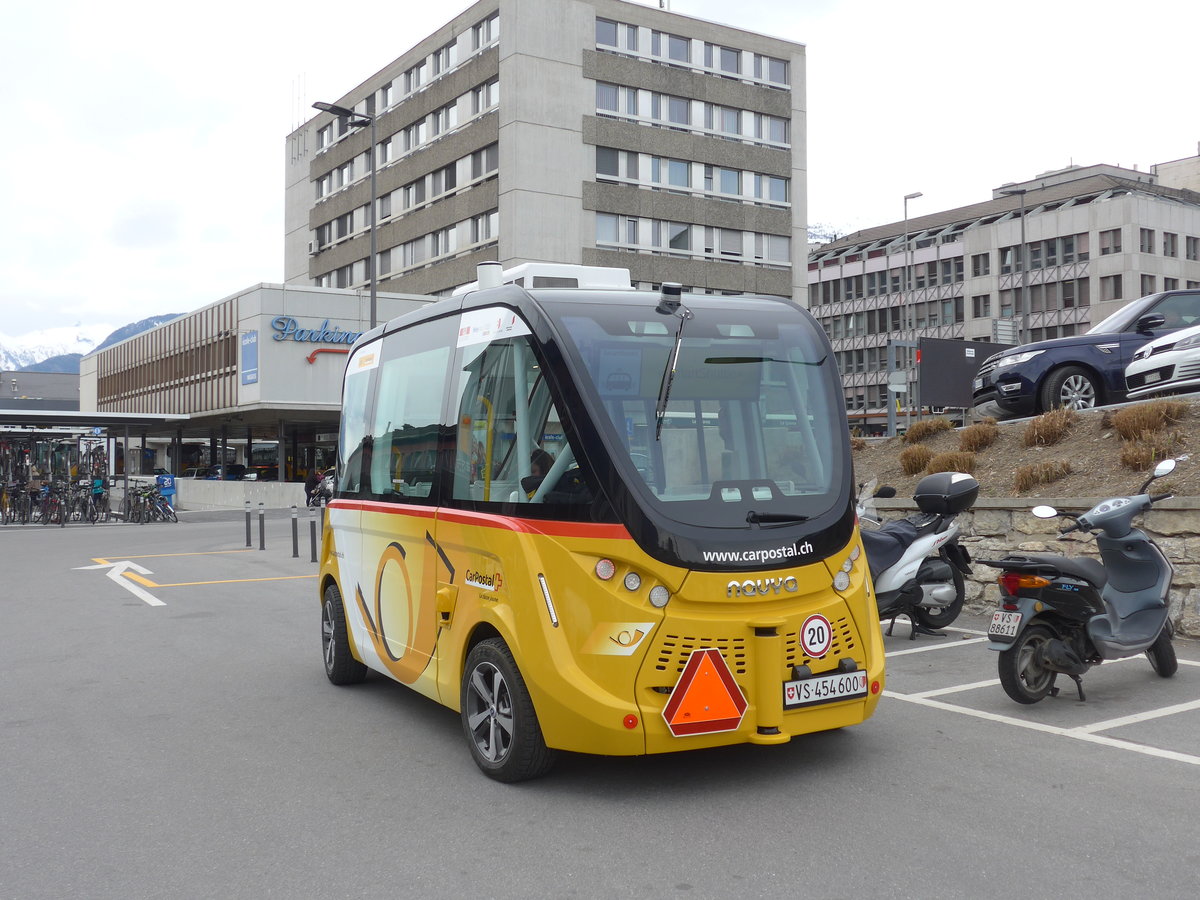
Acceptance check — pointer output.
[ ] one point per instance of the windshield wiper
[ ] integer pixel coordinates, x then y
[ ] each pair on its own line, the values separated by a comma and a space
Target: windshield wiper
740, 360
670, 305
757, 518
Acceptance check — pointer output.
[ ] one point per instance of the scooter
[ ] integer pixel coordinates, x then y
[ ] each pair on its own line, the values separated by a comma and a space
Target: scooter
1061, 615
916, 563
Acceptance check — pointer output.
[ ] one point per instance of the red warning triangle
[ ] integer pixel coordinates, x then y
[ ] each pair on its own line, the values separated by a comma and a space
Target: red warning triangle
705, 699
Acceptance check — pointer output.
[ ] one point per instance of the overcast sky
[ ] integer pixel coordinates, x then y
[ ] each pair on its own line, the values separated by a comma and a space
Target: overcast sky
144, 142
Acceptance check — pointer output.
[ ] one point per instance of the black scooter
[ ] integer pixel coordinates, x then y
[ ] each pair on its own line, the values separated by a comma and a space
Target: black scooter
1062, 615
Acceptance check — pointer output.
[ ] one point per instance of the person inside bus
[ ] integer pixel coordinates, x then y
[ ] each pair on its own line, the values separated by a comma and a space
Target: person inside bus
540, 462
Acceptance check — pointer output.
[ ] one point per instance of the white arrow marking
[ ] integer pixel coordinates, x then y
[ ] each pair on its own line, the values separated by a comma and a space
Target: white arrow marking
116, 572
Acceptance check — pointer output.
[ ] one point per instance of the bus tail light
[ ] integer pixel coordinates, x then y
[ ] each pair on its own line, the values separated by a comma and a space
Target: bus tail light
605, 569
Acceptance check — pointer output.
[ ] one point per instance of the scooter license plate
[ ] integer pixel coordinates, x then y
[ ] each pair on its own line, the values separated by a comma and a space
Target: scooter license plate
1004, 624
824, 689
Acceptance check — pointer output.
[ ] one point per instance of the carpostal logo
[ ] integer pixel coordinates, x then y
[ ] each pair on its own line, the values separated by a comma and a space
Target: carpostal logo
482, 581
762, 587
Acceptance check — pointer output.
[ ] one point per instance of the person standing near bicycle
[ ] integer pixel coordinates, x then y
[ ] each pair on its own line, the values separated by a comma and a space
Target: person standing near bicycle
166, 487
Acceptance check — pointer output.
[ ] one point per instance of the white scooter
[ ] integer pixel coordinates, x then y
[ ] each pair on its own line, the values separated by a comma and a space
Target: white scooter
916, 563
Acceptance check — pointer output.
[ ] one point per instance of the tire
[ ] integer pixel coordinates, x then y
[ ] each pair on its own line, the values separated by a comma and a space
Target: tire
1020, 675
1162, 655
167, 511
932, 617
1070, 387
340, 665
498, 717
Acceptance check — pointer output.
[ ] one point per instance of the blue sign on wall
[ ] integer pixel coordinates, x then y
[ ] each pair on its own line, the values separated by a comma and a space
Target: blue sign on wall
250, 357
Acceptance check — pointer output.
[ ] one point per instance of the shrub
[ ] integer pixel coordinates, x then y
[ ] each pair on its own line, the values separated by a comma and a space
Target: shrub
918, 431
978, 437
913, 460
1134, 422
1049, 428
1041, 473
858, 443
951, 462
1143, 454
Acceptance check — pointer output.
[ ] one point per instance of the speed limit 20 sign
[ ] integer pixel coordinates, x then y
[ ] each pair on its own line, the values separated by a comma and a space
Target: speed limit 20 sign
816, 636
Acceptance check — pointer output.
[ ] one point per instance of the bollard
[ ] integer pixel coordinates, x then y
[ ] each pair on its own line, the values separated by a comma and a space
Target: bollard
323, 502
262, 528
295, 534
312, 531
248, 543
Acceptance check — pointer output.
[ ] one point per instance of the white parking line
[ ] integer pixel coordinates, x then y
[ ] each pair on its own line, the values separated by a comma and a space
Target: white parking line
1139, 717
950, 690
942, 646
1074, 733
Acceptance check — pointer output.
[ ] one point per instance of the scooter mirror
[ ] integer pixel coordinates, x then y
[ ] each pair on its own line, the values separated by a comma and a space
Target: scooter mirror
1044, 512
1166, 467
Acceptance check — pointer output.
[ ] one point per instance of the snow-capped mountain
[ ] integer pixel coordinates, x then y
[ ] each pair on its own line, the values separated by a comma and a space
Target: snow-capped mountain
27, 349
62, 347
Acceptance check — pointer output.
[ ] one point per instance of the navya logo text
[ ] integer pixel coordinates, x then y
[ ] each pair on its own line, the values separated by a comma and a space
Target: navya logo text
762, 587
288, 329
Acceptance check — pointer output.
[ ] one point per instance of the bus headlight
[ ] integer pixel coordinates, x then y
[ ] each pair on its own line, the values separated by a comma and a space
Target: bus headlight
659, 596
841, 581
633, 581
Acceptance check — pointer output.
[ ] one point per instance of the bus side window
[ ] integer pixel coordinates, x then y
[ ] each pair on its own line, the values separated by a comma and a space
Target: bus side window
406, 425
353, 445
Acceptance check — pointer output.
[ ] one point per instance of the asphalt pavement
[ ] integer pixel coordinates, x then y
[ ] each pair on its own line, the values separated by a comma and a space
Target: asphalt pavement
192, 747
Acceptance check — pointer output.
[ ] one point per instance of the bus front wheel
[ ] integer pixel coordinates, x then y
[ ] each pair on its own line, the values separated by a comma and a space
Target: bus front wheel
498, 718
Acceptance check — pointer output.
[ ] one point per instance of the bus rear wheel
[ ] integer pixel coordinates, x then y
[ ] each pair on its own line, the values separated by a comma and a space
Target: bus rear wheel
498, 717
340, 665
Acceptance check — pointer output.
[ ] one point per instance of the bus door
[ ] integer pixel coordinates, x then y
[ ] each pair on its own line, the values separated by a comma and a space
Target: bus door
396, 594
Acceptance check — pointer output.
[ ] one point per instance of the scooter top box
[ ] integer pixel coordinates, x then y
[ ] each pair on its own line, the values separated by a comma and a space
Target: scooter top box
946, 493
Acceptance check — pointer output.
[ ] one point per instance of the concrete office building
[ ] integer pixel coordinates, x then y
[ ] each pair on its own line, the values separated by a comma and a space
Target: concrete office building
1095, 238
594, 132
260, 367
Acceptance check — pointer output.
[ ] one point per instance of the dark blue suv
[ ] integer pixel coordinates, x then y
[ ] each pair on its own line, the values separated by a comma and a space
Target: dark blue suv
1082, 371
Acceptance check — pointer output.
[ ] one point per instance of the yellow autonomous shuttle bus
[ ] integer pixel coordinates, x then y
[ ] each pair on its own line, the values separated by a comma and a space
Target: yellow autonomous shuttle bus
601, 520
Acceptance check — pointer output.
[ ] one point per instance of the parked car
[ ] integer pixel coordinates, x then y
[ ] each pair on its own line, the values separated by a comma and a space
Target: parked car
1084, 370
1169, 364
234, 472
201, 472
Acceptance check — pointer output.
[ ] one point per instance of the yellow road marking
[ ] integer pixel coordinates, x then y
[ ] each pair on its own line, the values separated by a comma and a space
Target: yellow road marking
134, 576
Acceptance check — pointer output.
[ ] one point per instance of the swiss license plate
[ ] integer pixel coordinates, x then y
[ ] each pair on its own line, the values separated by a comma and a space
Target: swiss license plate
977, 384
1152, 377
824, 689
1004, 624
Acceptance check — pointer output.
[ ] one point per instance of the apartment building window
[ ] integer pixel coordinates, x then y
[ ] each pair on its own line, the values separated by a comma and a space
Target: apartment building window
1147, 240
768, 68
606, 97
444, 119
443, 180
1147, 284
1110, 287
606, 228
771, 128
1192, 248
383, 206
1110, 242
485, 227
981, 264
485, 161
325, 138
724, 58
486, 31
487, 95
413, 193
1170, 244
606, 32
1170, 284
445, 58
771, 187
414, 77
981, 306
679, 48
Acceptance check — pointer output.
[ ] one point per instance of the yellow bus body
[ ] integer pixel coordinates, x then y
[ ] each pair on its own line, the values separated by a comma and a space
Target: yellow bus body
599, 661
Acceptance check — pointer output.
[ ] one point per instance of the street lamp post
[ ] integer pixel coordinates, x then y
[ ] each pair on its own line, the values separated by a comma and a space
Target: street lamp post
908, 312
360, 120
1020, 304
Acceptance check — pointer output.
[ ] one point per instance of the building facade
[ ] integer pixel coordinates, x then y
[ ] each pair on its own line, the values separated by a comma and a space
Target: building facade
593, 132
1093, 238
262, 366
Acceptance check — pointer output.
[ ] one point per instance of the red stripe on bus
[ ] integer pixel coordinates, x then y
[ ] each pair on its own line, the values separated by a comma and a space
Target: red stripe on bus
490, 520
